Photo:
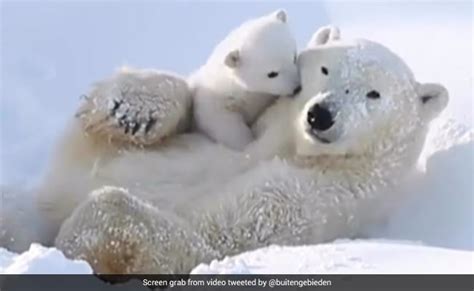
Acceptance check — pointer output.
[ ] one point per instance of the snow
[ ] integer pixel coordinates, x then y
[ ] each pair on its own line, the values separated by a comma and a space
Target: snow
44, 71
340, 257
40, 260
439, 205
345, 257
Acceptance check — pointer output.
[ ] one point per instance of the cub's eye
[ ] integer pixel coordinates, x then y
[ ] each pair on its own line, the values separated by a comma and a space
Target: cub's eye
373, 95
272, 75
324, 70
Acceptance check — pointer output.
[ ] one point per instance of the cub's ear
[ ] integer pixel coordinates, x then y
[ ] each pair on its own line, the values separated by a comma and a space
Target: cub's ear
280, 15
433, 98
324, 35
232, 60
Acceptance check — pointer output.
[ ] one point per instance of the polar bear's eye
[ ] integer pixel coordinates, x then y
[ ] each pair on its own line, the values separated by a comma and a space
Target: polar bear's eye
373, 95
272, 75
324, 70
295, 58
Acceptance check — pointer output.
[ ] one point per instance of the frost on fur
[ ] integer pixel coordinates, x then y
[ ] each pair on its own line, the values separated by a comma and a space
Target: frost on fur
359, 127
128, 236
138, 107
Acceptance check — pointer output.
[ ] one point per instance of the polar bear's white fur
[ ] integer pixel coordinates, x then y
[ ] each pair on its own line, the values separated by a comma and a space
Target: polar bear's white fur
132, 110
245, 73
356, 130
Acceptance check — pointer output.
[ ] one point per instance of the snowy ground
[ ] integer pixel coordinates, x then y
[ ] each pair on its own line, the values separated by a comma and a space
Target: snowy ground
48, 61
345, 257
340, 257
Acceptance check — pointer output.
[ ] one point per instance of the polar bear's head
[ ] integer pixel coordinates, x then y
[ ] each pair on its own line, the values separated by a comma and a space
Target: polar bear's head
358, 97
261, 55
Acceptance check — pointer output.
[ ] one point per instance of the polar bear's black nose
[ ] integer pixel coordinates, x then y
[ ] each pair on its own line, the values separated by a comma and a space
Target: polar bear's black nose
320, 118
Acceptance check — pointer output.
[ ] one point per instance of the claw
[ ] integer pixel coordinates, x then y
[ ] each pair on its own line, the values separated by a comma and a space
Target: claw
126, 127
116, 106
135, 128
122, 122
149, 125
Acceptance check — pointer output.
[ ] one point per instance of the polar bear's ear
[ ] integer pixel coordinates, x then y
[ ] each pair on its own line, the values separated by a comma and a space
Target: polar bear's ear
280, 15
324, 35
232, 60
433, 99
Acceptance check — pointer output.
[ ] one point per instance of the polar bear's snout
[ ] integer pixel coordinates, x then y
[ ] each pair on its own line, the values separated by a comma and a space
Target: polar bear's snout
319, 118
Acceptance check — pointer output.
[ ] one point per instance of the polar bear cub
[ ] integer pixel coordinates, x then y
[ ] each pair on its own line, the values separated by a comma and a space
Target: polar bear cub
246, 72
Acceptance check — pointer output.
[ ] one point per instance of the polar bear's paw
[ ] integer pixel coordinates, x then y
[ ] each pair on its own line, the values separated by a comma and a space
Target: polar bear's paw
141, 107
110, 233
117, 233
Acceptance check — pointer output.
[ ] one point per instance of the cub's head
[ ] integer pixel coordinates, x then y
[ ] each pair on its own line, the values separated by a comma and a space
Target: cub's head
263, 59
358, 97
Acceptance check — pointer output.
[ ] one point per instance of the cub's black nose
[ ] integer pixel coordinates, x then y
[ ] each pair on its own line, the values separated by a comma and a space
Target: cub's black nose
297, 90
320, 118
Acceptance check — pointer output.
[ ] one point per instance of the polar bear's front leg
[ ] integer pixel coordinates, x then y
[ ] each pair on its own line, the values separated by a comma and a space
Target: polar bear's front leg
263, 207
120, 234
141, 107
276, 203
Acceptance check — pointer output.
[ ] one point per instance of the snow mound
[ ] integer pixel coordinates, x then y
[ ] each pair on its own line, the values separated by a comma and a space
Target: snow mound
439, 209
40, 260
345, 257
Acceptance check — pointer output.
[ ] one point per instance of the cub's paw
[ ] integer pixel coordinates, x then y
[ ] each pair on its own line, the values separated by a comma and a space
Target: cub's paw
141, 107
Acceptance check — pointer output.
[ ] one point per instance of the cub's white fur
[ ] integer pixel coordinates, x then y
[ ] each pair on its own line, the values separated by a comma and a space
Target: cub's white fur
245, 73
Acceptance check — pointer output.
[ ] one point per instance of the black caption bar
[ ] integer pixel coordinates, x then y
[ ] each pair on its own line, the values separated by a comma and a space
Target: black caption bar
236, 282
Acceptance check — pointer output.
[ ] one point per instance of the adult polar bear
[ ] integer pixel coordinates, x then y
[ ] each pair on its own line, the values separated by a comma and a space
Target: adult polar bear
356, 129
